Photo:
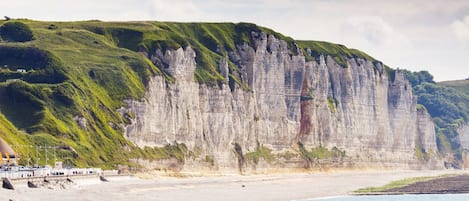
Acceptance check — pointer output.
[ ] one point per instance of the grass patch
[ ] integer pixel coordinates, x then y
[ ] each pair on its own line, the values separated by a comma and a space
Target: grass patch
320, 152
422, 154
287, 155
398, 184
178, 151
260, 152
421, 107
340, 53
331, 104
209, 160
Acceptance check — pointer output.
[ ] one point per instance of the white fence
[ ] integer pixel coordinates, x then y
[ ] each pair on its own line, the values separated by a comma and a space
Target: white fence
43, 172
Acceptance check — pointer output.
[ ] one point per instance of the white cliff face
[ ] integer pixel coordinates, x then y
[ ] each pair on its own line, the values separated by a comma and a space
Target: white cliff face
359, 109
356, 109
463, 132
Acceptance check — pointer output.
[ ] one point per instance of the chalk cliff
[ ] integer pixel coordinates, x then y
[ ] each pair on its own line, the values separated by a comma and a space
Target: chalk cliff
463, 132
289, 101
218, 96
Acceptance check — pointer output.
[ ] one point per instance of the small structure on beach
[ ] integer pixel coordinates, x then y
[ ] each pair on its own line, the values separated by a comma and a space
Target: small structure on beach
9, 157
21, 70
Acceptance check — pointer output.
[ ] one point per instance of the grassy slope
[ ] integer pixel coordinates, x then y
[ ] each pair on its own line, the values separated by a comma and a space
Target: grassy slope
313, 49
101, 67
461, 85
96, 98
447, 103
398, 184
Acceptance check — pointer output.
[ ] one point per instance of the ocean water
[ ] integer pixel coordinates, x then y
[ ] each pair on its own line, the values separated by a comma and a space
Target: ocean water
424, 197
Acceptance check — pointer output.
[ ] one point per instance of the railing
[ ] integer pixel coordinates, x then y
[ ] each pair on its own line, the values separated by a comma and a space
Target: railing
48, 172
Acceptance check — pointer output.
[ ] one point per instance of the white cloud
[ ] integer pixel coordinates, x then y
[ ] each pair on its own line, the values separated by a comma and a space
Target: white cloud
374, 31
176, 10
461, 29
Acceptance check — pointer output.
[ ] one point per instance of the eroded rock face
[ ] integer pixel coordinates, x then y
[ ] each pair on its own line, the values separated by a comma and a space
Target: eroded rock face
463, 133
357, 108
464, 136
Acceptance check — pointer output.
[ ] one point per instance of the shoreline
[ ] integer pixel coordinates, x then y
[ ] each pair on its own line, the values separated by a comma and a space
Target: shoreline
270, 187
446, 184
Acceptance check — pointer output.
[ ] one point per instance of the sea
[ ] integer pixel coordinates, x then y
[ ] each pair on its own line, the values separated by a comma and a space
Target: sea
420, 197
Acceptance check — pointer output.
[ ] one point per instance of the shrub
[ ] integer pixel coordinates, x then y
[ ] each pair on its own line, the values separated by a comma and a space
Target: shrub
16, 32
209, 160
331, 104
320, 152
52, 27
260, 152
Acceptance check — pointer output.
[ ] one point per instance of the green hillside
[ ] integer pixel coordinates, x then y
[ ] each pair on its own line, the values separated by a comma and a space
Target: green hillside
460, 85
447, 103
55, 74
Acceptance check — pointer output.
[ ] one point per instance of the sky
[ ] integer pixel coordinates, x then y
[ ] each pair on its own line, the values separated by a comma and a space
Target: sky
430, 35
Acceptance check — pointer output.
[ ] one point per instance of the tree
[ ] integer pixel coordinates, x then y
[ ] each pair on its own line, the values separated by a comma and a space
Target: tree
425, 76
446, 105
416, 78
16, 32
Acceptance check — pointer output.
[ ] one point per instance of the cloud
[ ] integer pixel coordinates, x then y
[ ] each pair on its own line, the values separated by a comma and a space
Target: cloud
177, 10
378, 38
374, 31
461, 29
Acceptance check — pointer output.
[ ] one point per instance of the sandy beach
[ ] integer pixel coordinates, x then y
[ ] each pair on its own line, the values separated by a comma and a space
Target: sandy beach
278, 187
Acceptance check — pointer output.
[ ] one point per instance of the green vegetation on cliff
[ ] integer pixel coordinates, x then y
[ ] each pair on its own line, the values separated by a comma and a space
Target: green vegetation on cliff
316, 154
314, 49
16, 32
62, 83
70, 74
447, 103
260, 152
397, 184
331, 103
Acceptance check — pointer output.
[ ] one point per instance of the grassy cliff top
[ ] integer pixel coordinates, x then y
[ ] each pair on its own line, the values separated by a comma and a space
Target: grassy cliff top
63, 85
313, 49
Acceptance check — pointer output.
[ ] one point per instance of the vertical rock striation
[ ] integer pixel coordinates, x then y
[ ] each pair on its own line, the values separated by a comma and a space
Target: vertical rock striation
357, 108
463, 132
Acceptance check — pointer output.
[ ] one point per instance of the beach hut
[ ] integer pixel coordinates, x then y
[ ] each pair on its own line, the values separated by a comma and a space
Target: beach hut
20, 70
9, 157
